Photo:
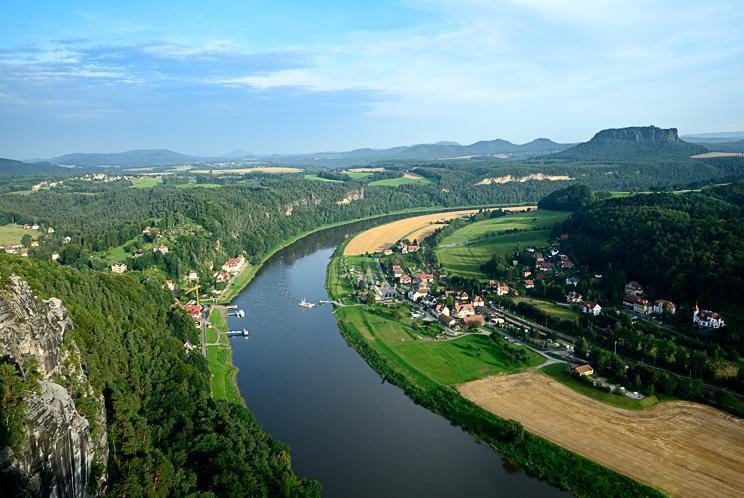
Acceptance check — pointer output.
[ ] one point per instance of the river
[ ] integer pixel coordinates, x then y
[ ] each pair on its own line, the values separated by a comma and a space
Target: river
358, 436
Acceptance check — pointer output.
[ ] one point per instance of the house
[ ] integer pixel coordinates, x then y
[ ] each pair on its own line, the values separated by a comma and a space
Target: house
478, 301
193, 310
502, 290
572, 281
147, 230
526, 272
404, 249
234, 265
633, 288
573, 297
405, 279
413, 248
50, 230
34, 243
188, 346
35, 226
462, 297
707, 318
118, 268
387, 251
591, 308
474, 321
584, 370
24, 253
10, 249
416, 294
55, 256
162, 249
663, 305
544, 266
426, 277
447, 321
221, 276
442, 309
26, 226
170, 285
463, 310
397, 271
67, 239
192, 276
567, 265
638, 303
529, 284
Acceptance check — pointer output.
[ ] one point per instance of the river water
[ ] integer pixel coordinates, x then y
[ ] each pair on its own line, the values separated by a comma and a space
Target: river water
358, 436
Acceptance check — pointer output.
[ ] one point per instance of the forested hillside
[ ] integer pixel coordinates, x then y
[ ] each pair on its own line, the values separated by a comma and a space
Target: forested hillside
167, 436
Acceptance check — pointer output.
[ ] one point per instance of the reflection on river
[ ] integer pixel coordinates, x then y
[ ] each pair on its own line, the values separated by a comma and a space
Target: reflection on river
356, 435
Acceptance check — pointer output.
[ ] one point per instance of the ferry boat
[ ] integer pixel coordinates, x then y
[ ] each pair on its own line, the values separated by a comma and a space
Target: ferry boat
305, 304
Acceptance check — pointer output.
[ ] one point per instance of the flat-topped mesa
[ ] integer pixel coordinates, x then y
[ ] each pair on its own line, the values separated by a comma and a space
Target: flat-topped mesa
639, 134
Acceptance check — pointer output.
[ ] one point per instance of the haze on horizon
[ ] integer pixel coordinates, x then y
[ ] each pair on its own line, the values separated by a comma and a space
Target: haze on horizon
287, 77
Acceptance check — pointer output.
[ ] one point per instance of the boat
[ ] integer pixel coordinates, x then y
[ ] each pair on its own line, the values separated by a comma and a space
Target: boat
305, 304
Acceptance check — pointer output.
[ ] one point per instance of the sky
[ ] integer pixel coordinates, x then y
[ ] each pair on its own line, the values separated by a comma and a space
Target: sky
207, 78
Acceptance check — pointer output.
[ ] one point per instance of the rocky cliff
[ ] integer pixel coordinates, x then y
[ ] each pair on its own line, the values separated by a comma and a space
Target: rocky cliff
639, 134
63, 453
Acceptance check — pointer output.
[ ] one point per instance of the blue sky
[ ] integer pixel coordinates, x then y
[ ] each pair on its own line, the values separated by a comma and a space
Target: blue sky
209, 77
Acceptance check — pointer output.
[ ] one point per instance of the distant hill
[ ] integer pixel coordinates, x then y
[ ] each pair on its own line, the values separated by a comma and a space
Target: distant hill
714, 138
13, 167
634, 143
421, 152
131, 158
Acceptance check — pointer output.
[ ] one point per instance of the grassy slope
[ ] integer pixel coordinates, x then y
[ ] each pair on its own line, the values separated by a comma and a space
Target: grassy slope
12, 233
550, 308
483, 240
316, 178
148, 182
558, 372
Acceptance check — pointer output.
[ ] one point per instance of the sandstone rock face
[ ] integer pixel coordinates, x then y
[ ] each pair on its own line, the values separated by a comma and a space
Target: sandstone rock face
59, 447
640, 134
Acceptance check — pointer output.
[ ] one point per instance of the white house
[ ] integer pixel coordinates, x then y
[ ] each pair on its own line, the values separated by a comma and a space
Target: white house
591, 308
662, 305
118, 268
234, 265
463, 310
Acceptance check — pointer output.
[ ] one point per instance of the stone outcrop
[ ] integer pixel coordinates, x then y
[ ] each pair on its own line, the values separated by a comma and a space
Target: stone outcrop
351, 196
59, 446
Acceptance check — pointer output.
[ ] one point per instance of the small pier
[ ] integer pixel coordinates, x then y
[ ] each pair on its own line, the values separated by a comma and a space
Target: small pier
244, 333
236, 313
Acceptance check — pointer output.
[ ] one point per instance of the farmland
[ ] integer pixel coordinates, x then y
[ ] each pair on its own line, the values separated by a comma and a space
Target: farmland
380, 237
465, 250
242, 171
146, 182
406, 179
682, 448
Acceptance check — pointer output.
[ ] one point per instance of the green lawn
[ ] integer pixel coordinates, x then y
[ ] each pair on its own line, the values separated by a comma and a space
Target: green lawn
427, 362
397, 182
12, 233
550, 308
316, 178
358, 175
558, 372
473, 245
219, 359
146, 182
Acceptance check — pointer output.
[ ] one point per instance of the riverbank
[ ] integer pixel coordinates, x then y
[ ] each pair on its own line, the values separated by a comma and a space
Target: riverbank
223, 371
436, 390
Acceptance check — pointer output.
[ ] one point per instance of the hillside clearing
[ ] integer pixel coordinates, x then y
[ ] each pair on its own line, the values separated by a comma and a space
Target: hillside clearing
681, 448
12, 234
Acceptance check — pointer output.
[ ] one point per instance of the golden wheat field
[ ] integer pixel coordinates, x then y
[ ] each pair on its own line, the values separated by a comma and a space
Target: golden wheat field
678, 447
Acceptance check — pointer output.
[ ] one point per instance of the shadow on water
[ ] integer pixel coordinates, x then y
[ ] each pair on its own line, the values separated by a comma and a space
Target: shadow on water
358, 436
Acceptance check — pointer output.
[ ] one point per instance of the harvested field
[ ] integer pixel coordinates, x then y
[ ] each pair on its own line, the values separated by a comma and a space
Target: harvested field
240, 171
378, 238
412, 176
708, 155
425, 231
680, 448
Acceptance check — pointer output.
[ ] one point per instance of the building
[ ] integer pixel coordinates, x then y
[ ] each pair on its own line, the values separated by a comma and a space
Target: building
221, 276
118, 268
707, 319
170, 285
572, 281
573, 297
447, 321
35, 226
405, 279
529, 284
397, 271
387, 251
192, 276
417, 294
638, 303
662, 306
426, 277
463, 297
591, 308
463, 310
188, 346
50, 230
478, 301
474, 321
584, 370
55, 256
442, 309
633, 288
234, 265
24, 253
162, 249
502, 290
67, 239
147, 230
193, 310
